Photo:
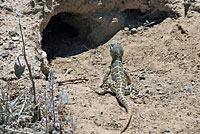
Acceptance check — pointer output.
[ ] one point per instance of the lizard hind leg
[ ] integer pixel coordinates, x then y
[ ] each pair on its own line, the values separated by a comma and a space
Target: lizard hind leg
132, 91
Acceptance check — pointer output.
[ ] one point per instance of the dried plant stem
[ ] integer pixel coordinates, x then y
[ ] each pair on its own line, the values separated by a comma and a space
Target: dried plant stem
46, 110
51, 82
17, 131
29, 68
72, 80
23, 106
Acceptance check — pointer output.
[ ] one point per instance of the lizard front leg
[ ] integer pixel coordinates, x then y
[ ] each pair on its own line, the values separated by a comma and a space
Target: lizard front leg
106, 76
105, 85
103, 89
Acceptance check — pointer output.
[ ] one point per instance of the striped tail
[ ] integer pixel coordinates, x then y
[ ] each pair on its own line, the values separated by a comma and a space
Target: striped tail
128, 121
128, 107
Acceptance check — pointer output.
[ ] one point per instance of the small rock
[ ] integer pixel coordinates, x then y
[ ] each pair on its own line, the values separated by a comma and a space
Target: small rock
4, 38
187, 88
103, 63
133, 30
150, 72
1, 19
100, 3
4, 54
167, 132
15, 38
192, 82
126, 29
161, 92
91, 114
141, 77
138, 101
9, 46
158, 84
68, 61
115, 20
13, 33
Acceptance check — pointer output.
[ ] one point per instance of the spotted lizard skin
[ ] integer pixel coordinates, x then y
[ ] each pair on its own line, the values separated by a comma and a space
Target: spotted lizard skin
120, 84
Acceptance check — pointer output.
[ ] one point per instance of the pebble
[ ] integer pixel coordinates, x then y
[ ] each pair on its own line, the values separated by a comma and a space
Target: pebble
15, 38
150, 72
133, 30
187, 88
103, 63
115, 20
9, 46
138, 101
100, 3
167, 132
192, 82
13, 33
1, 19
126, 29
158, 84
141, 77
4, 38
4, 54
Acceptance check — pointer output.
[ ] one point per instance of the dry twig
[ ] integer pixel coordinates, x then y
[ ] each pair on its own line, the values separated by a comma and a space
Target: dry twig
29, 68
72, 80
51, 82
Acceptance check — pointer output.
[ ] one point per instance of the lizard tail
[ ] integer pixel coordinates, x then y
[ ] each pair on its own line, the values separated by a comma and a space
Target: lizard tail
128, 121
128, 107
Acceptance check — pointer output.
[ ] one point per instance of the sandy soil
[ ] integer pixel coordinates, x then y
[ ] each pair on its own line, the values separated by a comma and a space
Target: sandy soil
164, 64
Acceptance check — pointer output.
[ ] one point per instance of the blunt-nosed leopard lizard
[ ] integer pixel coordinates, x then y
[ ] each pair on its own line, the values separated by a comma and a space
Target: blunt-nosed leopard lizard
120, 84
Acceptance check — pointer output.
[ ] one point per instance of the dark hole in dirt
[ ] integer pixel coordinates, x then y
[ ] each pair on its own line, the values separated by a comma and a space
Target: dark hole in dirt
69, 34
62, 37
135, 18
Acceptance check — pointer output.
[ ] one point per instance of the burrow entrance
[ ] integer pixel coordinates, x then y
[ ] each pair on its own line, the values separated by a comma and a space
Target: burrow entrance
69, 34
66, 35
135, 18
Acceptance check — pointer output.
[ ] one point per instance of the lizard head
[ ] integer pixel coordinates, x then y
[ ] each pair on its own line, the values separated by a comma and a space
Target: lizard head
116, 50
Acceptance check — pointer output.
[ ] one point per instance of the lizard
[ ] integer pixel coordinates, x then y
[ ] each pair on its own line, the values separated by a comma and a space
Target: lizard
121, 82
